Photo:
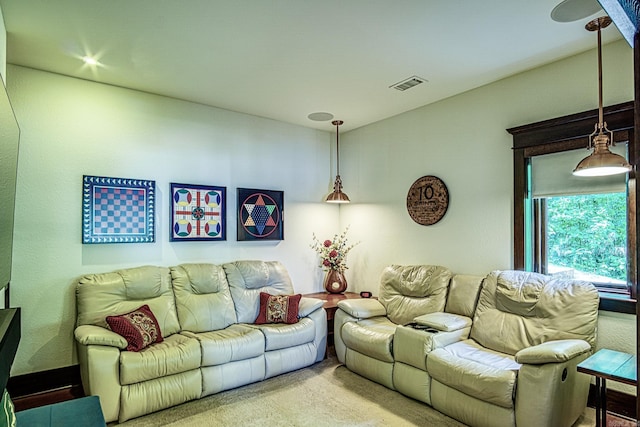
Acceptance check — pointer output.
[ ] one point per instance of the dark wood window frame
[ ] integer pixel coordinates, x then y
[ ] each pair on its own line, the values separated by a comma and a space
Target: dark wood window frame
569, 133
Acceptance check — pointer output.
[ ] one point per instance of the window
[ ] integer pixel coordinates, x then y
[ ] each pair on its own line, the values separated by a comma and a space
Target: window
579, 223
587, 235
584, 237
583, 228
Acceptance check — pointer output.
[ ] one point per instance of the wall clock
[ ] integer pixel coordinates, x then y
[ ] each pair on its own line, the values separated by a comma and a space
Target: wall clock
427, 200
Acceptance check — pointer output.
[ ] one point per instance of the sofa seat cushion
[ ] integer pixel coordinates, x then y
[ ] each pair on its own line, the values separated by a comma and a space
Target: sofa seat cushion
371, 337
176, 354
476, 371
237, 342
282, 335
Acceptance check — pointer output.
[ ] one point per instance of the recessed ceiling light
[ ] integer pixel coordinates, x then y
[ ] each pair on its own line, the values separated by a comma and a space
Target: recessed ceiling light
89, 60
320, 117
574, 10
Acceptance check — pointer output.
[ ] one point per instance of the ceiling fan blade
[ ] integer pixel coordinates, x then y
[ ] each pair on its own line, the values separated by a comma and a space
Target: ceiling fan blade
573, 10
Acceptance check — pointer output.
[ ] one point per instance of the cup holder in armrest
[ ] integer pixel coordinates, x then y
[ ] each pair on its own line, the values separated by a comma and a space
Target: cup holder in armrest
420, 327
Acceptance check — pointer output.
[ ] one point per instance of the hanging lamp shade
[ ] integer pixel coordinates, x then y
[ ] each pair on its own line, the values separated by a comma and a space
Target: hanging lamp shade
601, 162
337, 196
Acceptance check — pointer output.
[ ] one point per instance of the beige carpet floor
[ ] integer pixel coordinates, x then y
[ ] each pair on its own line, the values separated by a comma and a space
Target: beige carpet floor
325, 394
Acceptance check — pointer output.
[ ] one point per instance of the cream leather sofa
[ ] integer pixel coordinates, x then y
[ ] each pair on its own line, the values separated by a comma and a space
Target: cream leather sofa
206, 314
498, 351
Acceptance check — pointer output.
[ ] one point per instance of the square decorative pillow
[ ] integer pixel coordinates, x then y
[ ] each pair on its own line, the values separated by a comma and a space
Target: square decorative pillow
139, 327
278, 308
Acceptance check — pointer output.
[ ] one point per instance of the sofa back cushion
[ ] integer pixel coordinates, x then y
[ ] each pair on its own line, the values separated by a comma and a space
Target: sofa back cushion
248, 278
203, 298
519, 309
123, 291
408, 291
463, 294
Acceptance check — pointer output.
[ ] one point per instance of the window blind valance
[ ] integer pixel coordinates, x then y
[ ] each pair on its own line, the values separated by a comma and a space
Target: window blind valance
552, 175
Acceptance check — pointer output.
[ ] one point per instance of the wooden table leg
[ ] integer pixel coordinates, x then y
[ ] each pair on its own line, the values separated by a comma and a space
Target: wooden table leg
603, 405
598, 402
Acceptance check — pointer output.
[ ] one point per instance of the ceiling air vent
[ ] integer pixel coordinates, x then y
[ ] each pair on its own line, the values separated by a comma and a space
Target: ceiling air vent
408, 83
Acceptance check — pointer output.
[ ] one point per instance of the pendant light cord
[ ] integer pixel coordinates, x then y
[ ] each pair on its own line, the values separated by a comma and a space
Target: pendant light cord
597, 25
338, 149
600, 108
337, 123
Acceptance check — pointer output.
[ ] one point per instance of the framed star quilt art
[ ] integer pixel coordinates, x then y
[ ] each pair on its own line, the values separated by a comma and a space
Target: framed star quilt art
198, 212
260, 214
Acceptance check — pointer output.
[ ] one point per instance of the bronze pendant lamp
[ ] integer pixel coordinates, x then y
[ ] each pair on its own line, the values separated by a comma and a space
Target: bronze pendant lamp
337, 196
601, 161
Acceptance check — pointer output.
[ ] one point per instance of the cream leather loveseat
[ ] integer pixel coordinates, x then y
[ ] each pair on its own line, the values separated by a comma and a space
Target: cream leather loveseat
499, 350
210, 343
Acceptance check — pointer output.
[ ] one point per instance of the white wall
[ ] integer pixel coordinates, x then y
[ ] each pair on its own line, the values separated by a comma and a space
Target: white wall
72, 127
463, 141
3, 49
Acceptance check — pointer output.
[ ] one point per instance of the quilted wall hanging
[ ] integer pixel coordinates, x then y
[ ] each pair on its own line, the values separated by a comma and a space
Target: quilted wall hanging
260, 214
198, 212
118, 210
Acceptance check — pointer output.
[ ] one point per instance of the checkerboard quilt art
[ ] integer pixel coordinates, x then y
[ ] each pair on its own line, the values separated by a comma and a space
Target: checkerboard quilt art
118, 210
198, 212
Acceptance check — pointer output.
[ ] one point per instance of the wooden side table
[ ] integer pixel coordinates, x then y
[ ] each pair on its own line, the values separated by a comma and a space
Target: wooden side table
331, 305
608, 364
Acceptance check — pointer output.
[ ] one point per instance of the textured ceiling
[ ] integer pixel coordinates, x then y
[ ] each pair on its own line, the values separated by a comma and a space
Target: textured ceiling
285, 59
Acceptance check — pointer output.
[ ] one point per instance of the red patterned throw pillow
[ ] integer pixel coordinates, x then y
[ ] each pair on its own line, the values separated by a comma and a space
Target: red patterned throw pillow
278, 308
139, 327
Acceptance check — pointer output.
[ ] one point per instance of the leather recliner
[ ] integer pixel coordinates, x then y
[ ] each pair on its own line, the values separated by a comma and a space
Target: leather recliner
364, 329
498, 351
518, 367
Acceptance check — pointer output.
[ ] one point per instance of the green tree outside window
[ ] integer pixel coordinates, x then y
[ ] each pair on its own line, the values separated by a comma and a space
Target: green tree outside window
587, 233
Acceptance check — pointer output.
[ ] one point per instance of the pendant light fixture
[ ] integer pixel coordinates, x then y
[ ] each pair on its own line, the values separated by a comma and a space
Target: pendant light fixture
601, 161
337, 196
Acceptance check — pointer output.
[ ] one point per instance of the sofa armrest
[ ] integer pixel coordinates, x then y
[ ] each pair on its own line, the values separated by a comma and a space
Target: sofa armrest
412, 346
551, 393
362, 308
96, 335
308, 306
552, 352
100, 374
445, 322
